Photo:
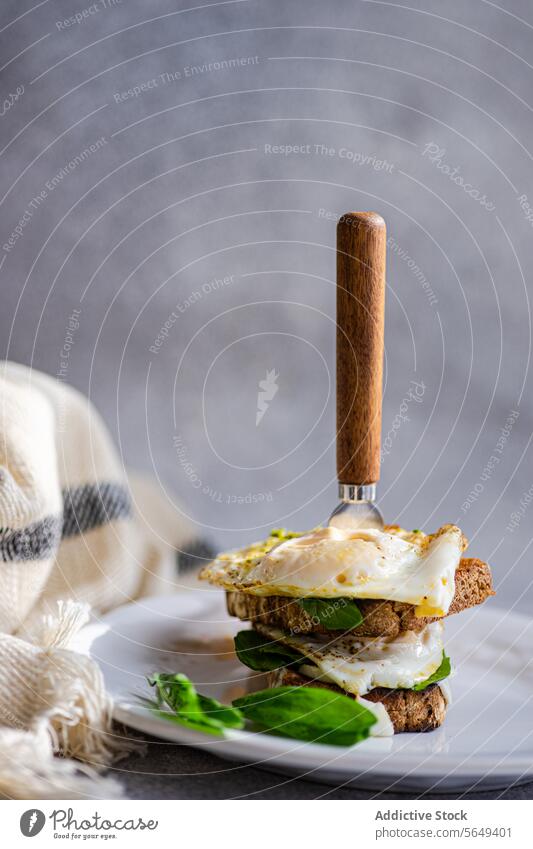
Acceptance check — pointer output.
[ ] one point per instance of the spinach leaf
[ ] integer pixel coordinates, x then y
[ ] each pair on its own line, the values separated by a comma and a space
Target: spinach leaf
442, 672
186, 722
313, 714
337, 614
303, 713
190, 708
261, 654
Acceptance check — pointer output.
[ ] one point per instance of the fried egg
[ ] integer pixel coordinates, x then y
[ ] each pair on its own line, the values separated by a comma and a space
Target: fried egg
390, 564
358, 665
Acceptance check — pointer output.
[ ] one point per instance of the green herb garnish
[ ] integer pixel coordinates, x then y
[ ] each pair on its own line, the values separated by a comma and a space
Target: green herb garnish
263, 655
340, 614
303, 713
189, 708
308, 713
282, 534
442, 672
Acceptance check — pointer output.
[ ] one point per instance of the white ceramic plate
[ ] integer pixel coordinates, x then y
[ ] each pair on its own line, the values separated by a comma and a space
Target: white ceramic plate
487, 739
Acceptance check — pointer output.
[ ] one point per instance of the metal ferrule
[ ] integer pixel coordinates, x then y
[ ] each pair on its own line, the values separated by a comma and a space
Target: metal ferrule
353, 492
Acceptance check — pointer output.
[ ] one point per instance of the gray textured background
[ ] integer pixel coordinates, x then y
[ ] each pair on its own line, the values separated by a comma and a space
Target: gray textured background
183, 190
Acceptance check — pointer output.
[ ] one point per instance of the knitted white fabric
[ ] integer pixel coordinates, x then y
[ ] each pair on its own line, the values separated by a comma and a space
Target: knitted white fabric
74, 535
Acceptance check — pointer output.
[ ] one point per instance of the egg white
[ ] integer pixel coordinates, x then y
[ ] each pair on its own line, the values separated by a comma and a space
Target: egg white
383, 726
359, 665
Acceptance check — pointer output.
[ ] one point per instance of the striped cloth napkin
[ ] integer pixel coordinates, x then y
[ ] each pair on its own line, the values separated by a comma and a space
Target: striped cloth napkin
76, 535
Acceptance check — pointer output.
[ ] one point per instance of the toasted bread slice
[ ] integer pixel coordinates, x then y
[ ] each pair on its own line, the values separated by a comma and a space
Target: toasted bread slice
409, 710
473, 585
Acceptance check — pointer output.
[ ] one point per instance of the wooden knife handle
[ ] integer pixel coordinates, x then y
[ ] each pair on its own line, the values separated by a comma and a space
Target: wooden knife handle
361, 250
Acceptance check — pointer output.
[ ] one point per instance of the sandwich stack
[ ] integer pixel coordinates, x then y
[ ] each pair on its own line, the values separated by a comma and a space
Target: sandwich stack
356, 607
358, 612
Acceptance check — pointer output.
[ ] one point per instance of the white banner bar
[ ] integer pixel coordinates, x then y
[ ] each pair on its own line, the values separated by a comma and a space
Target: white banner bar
268, 824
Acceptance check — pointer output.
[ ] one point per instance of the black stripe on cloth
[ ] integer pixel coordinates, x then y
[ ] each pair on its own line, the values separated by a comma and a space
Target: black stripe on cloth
84, 507
195, 554
92, 505
35, 542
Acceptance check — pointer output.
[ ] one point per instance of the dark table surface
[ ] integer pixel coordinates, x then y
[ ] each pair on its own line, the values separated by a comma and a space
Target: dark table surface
173, 771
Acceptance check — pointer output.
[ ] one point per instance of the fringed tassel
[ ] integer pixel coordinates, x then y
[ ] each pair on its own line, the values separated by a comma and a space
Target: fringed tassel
29, 770
64, 711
